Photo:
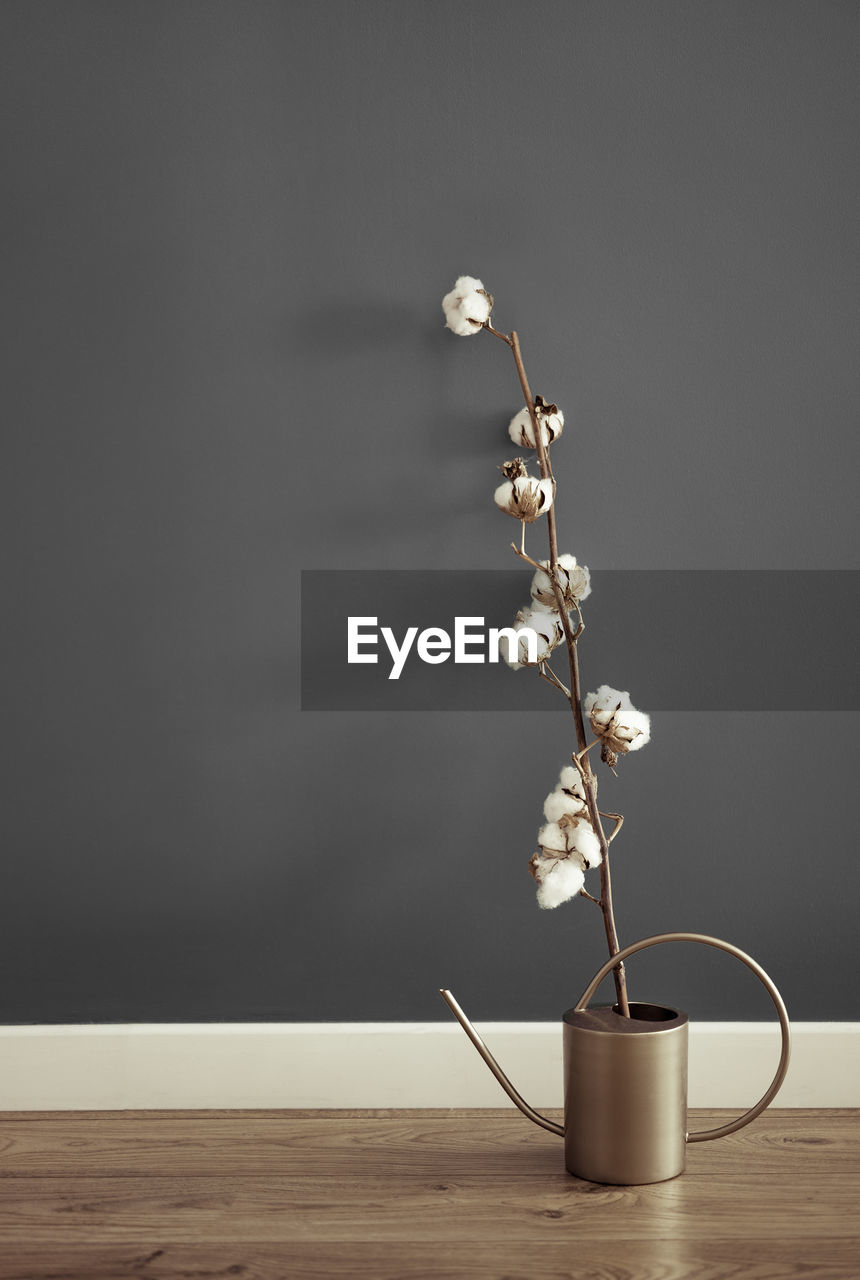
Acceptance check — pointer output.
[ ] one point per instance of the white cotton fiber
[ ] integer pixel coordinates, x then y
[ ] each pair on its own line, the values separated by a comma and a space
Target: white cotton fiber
571, 780
552, 837
583, 839
574, 581
525, 497
560, 884
616, 721
467, 306
559, 802
521, 432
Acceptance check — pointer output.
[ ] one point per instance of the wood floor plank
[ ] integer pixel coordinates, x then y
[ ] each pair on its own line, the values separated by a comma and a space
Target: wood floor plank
473, 1145
663, 1259
502, 1143
342, 1208
421, 1194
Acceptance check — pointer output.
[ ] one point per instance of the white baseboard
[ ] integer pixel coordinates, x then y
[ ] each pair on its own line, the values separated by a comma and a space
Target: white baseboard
274, 1065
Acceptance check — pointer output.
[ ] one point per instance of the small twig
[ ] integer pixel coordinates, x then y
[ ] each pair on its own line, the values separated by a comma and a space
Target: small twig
546, 671
581, 627
485, 324
583, 893
619, 823
519, 551
579, 756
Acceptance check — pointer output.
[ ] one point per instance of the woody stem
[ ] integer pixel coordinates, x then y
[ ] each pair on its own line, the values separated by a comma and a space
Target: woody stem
575, 695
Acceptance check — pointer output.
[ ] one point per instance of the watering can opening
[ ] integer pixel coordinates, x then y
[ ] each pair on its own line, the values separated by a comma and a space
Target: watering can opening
644, 1018
641, 1012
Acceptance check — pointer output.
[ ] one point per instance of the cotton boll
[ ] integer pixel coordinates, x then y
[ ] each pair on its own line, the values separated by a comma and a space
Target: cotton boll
559, 802
548, 629
574, 581
570, 779
519, 658
578, 835
475, 307
467, 307
550, 420
524, 497
583, 840
545, 642
571, 835
520, 430
603, 703
616, 721
551, 838
458, 324
522, 658
637, 724
546, 622
558, 883
548, 634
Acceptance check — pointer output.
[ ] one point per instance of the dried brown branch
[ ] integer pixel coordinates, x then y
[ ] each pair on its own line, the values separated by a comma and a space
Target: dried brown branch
574, 694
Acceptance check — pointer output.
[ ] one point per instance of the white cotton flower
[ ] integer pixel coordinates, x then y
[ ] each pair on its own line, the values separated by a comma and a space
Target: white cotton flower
620, 727
552, 839
467, 307
573, 579
571, 835
570, 779
558, 879
568, 847
548, 631
550, 421
561, 802
582, 839
524, 497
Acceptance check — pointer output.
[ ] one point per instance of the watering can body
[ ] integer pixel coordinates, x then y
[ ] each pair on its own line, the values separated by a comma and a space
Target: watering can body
625, 1094
625, 1080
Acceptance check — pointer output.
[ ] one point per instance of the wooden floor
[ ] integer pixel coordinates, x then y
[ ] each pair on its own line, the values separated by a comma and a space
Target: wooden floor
436, 1194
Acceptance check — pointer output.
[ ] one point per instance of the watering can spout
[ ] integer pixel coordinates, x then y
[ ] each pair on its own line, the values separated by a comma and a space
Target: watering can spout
516, 1098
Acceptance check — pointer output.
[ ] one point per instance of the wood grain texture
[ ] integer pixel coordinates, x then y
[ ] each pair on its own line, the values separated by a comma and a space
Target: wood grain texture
418, 1194
651, 1260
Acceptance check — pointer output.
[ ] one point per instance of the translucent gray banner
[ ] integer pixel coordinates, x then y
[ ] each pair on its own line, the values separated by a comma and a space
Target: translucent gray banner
678, 640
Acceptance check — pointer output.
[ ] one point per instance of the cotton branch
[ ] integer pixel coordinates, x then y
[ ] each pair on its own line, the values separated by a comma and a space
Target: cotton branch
574, 694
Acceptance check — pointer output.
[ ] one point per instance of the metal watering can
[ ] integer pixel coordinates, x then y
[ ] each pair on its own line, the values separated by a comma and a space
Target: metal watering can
625, 1080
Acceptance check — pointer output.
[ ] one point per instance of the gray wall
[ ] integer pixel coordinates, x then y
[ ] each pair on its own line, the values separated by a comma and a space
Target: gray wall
228, 230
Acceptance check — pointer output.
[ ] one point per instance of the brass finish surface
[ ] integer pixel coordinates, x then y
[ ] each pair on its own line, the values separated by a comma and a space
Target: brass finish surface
706, 940
625, 1094
625, 1079
515, 1097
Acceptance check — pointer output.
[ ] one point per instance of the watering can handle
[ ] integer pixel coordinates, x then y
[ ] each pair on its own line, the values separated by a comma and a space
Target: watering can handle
705, 1135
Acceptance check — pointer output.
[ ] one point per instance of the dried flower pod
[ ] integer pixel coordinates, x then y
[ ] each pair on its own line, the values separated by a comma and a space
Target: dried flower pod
550, 421
467, 307
548, 630
514, 468
523, 496
617, 723
573, 579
